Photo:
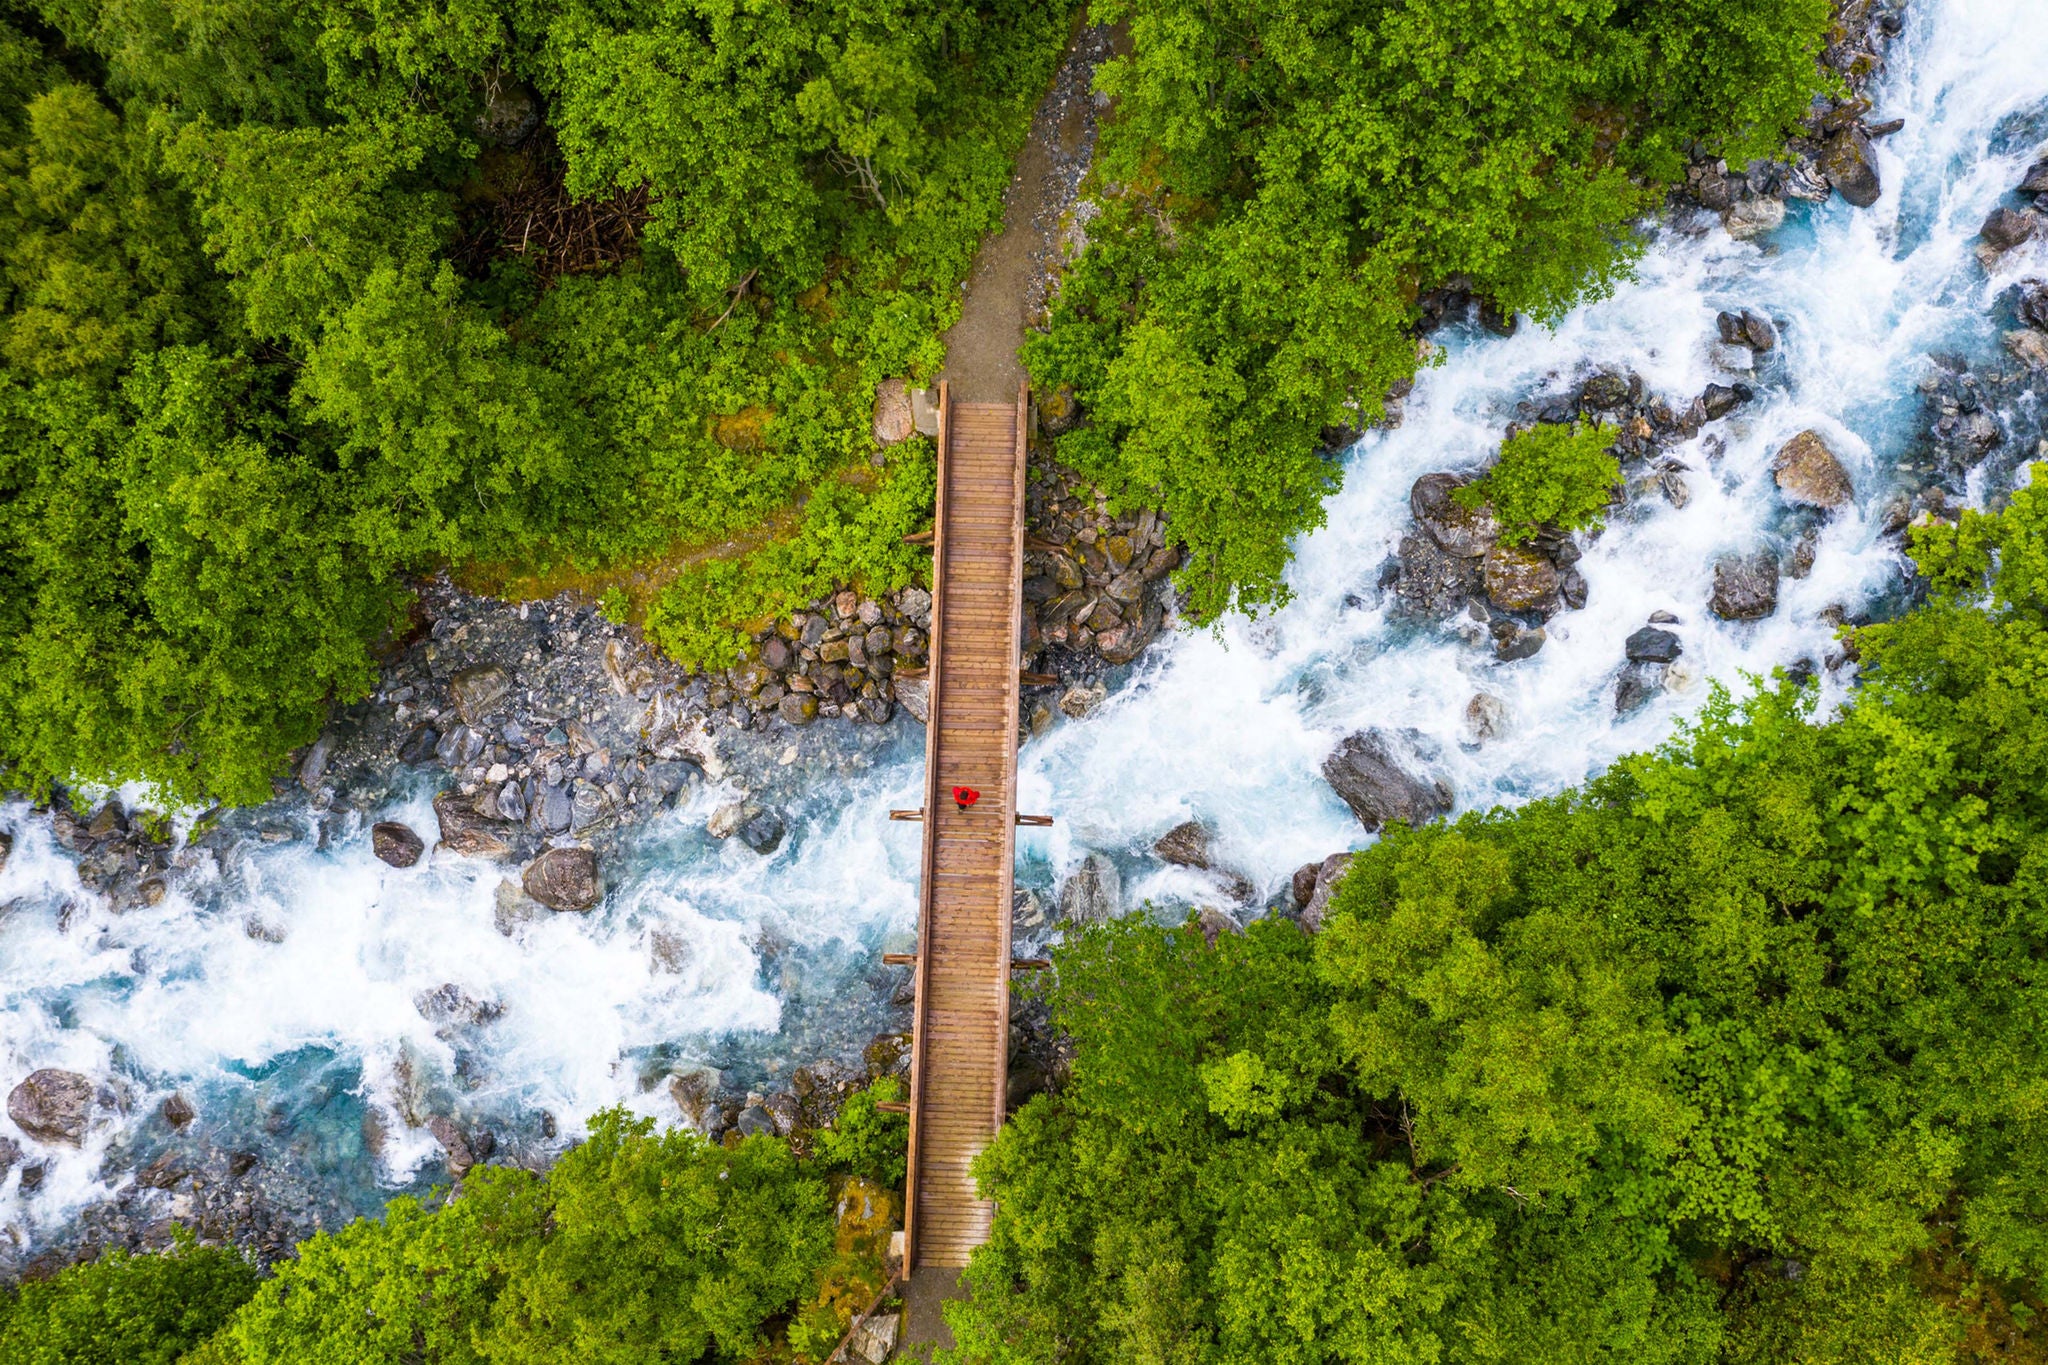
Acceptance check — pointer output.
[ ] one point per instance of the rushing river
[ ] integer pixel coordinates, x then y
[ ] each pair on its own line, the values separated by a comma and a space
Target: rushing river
304, 1045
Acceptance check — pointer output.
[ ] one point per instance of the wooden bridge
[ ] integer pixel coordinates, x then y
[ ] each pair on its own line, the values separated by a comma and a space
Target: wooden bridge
959, 1058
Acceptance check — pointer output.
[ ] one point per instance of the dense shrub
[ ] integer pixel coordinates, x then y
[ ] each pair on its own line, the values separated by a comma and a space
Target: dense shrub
1561, 476
123, 1309
1729, 1056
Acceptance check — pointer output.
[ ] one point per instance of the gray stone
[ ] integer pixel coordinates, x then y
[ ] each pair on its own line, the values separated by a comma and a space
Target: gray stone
177, 1111
1185, 845
52, 1106
1718, 400
1637, 684
465, 832
461, 1156
1745, 586
1604, 392
1753, 218
798, 708
459, 747
563, 879
448, 1003
478, 690
762, 831
1850, 164
1808, 472
776, 653
1521, 579
419, 746
2036, 179
1092, 893
1369, 771
1486, 717
755, 1121
2006, 228
2029, 347
396, 843
1513, 641
552, 812
1458, 530
1433, 583
894, 420
1328, 873
914, 694
313, 767
1653, 646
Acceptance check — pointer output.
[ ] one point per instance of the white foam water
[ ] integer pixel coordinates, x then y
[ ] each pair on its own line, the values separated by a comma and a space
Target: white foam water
281, 992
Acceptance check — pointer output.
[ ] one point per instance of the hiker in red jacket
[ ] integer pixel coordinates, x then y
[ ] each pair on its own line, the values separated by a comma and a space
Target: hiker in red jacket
963, 797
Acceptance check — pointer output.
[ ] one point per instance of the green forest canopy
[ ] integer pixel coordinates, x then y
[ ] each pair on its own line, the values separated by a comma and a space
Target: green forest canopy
1734, 1055
283, 320
290, 310
1283, 181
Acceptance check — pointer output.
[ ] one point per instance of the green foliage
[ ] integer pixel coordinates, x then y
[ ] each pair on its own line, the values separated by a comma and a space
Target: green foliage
1729, 1056
275, 341
125, 1310
866, 1142
637, 1246
1561, 476
1289, 180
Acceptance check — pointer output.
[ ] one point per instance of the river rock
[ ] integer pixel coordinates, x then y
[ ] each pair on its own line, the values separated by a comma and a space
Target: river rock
894, 420
1458, 530
1185, 845
448, 1003
1653, 646
1746, 328
1520, 579
1093, 892
478, 690
1486, 717
2029, 347
313, 767
2006, 228
1082, 699
1745, 586
1322, 883
465, 832
2036, 179
1808, 472
52, 1106
552, 811
460, 747
419, 746
1368, 771
1432, 583
695, 1092
798, 709
395, 843
177, 1111
762, 831
563, 879
1718, 400
914, 694
1850, 164
461, 1156
1637, 684
1753, 218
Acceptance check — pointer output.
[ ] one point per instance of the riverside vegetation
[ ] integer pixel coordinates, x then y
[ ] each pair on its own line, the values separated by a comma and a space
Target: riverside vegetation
1729, 1056
301, 297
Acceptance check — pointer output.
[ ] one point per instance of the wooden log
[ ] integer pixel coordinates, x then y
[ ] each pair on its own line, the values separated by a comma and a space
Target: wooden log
906, 815
899, 959
1039, 820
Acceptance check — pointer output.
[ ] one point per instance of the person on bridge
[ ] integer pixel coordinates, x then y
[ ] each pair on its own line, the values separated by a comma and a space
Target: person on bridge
963, 797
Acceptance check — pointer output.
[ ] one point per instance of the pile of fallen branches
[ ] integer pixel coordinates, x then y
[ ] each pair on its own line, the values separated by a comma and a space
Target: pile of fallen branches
522, 210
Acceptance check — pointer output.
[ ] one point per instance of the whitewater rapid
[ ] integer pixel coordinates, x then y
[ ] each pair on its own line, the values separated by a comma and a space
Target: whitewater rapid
279, 991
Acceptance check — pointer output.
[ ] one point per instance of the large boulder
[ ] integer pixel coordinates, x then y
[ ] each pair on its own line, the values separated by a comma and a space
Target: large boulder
762, 831
1521, 579
1093, 892
395, 843
1753, 218
1850, 164
914, 694
1652, 645
2006, 228
563, 879
1459, 530
464, 831
1745, 586
52, 1106
2036, 179
2029, 347
478, 690
1319, 880
894, 420
1185, 845
1370, 771
1810, 473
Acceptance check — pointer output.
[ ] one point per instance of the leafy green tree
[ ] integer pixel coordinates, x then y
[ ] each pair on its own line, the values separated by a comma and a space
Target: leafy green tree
123, 1309
1548, 475
867, 1141
1281, 184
